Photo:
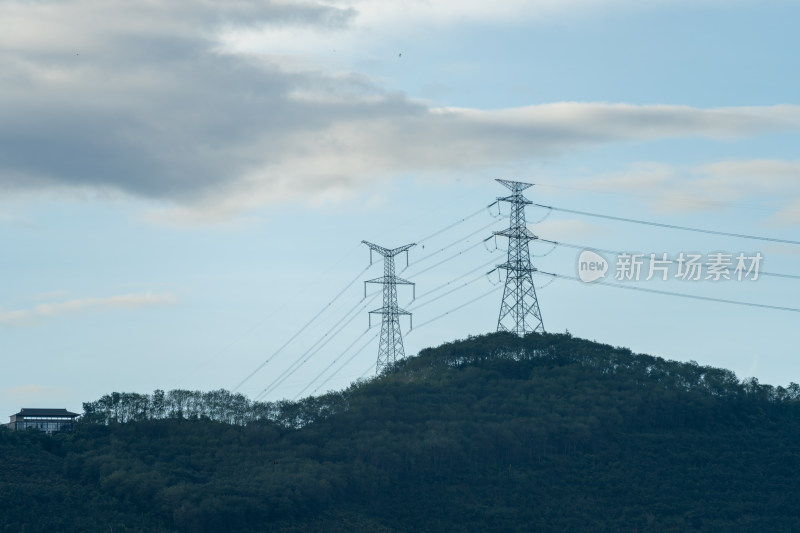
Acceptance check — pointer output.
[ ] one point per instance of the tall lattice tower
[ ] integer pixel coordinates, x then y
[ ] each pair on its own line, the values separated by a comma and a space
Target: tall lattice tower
519, 310
391, 344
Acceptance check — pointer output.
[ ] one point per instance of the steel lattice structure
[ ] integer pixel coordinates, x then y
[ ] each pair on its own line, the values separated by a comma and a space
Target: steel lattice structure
391, 343
519, 309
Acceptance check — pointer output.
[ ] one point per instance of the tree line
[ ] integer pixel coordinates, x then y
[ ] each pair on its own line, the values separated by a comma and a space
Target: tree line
217, 405
541, 349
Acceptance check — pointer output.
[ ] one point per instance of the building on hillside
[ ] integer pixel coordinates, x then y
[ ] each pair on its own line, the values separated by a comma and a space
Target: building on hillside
47, 420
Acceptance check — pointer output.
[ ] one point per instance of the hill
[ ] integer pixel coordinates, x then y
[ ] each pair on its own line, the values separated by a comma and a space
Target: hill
491, 433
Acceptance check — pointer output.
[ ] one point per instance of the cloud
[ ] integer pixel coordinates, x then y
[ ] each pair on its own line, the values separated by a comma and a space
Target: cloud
14, 220
47, 310
132, 97
147, 100
770, 185
664, 186
757, 183
788, 215
736, 179
409, 16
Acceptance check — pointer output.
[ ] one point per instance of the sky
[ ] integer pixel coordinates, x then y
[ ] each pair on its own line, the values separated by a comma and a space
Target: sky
185, 184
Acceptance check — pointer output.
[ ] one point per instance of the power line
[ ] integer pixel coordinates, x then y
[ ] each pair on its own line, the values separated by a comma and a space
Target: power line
302, 329
454, 224
540, 287
442, 286
669, 226
367, 371
672, 293
316, 316
484, 295
310, 383
363, 347
787, 276
297, 364
659, 197
316, 347
448, 293
616, 252
443, 261
462, 239
352, 313
426, 294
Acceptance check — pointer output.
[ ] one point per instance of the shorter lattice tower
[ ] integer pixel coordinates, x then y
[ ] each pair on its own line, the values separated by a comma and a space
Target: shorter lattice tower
391, 344
519, 309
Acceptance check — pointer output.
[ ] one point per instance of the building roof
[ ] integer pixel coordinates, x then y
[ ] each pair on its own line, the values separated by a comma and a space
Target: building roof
27, 411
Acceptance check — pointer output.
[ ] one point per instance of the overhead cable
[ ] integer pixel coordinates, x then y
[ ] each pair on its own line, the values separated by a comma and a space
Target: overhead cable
462, 239
450, 226
672, 293
293, 337
615, 252
317, 346
348, 361
464, 275
310, 383
669, 226
484, 295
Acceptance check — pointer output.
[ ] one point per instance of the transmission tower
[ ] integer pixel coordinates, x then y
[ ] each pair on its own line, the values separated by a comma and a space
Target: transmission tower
391, 345
519, 310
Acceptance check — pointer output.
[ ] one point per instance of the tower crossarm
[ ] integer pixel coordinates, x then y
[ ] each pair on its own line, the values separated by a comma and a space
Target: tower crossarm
514, 199
517, 233
392, 280
383, 279
382, 310
515, 186
517, 267
516, 189
387, 252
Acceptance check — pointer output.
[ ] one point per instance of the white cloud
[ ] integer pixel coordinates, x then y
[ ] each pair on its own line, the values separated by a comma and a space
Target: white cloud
761, 183
735, 179
788, 215
397, 20
140, 99
460, 11
47, 310
769, 185
642, 177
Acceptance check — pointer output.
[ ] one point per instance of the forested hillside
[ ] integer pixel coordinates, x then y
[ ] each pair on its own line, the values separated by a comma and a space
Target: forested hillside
492, 433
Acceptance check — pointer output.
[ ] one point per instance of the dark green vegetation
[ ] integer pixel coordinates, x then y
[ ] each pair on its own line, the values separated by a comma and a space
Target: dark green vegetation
493, 433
